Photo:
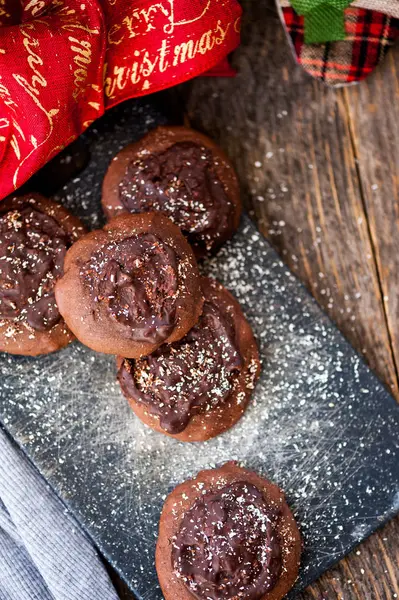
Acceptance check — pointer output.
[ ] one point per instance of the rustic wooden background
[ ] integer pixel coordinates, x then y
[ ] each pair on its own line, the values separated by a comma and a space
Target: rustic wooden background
320, 175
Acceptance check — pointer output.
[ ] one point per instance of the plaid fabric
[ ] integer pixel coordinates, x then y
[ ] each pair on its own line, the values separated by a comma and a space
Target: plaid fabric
369, 34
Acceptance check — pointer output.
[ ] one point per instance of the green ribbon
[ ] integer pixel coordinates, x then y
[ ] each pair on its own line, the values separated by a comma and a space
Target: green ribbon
324, 19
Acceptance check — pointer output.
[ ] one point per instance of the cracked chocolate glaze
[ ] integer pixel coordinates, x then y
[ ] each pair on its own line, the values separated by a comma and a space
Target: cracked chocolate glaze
136, 279
192, 375
32, 251
182, 183
227, 546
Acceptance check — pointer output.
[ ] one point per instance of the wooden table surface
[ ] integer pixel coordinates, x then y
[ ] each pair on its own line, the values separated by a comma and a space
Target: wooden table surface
320, 175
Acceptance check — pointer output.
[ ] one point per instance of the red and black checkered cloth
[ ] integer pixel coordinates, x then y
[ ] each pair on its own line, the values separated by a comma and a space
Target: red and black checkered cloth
369, 34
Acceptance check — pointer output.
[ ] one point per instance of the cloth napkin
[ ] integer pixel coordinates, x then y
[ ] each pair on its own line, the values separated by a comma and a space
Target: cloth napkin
44, 555
63, 63
340, 42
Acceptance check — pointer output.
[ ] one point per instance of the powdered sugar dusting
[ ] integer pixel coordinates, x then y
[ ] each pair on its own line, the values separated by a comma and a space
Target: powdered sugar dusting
319, 425
315, 427
228, 544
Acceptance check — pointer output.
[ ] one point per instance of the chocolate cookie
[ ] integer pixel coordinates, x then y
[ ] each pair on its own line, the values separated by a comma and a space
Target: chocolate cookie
131, 286
199, 386
35, 235
184, 175
228, 534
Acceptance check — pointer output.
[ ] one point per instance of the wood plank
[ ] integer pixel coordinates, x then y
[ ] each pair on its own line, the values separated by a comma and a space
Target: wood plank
374, 119
289, 137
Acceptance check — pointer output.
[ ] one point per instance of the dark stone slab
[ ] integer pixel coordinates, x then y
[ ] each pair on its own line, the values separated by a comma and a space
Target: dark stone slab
320, 425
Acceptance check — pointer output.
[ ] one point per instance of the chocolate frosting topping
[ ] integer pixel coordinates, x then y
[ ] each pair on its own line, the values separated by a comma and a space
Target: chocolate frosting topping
190, 376
227, 546
182, 183
137, 279
32, 250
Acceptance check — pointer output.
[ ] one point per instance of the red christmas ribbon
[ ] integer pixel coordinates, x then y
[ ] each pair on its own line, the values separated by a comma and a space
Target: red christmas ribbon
64, 62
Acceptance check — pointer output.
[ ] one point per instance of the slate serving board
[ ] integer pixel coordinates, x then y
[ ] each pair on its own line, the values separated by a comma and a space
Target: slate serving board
320, 425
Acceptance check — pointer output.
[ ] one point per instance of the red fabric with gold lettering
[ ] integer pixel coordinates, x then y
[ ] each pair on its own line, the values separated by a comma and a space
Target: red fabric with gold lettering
63, 62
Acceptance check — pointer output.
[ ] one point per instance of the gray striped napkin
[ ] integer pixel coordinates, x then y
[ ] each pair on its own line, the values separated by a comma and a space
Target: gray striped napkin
44, 555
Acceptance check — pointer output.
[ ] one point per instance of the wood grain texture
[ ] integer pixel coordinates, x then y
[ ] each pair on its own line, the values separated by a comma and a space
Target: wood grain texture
319, 170
373, 110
